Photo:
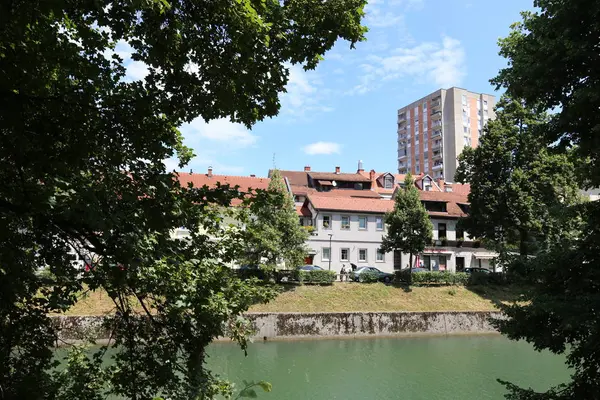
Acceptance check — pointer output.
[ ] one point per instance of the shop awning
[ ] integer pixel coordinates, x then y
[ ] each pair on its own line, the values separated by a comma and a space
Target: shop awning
433, 252
485, 256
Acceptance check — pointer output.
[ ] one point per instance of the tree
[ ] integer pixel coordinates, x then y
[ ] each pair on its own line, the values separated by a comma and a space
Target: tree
409, 227
519, 186
552, 65
273, 228
81, 170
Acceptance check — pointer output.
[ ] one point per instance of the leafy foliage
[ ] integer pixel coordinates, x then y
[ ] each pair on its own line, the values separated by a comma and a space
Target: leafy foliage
368, 277
82, 176
409, 227
272, 229
315, 277
519, 186
552, 58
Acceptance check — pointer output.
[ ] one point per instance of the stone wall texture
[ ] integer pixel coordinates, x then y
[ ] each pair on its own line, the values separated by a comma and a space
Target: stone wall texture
323, 325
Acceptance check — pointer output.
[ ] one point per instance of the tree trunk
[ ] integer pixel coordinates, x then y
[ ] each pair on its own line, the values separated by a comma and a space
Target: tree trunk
523, 249
410, 269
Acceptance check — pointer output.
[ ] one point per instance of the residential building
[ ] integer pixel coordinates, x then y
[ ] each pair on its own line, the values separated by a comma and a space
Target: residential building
433, 130
347, 223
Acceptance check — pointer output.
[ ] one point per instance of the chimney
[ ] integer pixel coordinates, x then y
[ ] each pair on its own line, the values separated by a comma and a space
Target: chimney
440, 183
360, 167
209, 172
337, 170
307, 168
191, 171
372, 178
252, 176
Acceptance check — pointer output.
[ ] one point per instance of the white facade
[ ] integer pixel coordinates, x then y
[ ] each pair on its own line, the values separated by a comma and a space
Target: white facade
358, 244
353, 244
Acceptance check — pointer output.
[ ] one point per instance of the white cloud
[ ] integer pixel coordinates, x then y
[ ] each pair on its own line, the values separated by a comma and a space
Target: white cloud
322, 148
441, 63
305, 94
338, 71
219, 130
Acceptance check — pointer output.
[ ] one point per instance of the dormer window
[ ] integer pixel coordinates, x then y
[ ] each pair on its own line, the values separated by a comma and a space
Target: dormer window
388, 182
436, 206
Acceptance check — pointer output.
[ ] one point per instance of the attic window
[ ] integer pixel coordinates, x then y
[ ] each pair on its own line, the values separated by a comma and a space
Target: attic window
389, 182
464, 207
436, 206
358, 186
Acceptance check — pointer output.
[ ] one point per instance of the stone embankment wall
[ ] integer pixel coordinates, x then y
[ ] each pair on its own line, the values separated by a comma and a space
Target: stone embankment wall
324, 325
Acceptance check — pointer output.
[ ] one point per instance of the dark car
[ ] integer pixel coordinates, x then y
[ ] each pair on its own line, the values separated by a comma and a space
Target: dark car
383, 276
477, 270
310, 268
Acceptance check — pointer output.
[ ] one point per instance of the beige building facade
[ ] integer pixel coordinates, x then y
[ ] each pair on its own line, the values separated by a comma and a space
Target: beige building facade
433, 130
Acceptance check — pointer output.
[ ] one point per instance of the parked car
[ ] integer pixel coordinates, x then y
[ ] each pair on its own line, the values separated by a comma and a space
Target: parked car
477, 270
383, 276
310, 268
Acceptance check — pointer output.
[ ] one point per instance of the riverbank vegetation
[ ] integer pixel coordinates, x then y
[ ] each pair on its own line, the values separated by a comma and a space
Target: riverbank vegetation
343, 297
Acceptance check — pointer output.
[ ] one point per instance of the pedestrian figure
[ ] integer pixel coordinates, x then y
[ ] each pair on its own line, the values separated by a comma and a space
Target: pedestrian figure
343, 273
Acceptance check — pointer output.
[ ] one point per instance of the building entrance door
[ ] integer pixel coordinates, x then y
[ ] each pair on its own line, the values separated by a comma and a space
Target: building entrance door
460, 264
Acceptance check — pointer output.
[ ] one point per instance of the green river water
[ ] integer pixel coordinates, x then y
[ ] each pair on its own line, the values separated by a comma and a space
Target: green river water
428, 368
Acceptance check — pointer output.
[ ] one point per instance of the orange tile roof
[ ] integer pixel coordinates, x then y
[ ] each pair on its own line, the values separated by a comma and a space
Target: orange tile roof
244, 182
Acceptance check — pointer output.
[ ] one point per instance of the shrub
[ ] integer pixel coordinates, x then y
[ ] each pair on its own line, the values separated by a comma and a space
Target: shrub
368, 277
452, 292
315, 277
493, 278
401, 276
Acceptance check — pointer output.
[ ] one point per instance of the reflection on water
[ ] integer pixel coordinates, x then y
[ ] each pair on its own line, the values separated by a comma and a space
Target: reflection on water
464, 367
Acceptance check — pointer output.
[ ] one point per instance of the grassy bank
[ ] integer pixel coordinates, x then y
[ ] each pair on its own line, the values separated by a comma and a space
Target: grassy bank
353, 297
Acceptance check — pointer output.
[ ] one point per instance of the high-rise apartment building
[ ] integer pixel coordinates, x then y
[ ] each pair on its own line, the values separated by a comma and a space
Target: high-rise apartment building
433, 131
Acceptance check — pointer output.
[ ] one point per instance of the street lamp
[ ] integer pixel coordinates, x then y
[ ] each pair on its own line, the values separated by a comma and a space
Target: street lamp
330, 235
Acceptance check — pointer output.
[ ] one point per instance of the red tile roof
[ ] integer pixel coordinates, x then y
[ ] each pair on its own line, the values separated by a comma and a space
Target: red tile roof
451, 199
358, 204
303, 211
342, 177
244, 182
295, 178
344, 193
380, 206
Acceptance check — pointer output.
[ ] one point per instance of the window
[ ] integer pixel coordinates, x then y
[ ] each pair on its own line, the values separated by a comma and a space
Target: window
301, 221
362, 222
326, 221
479, 104
359, 186
380, 256
389, 182
325, 254
438, 206
426, 167
467, 141
379, 222
485, 106
465, 129
441, 231
460, 234
345, 222
417, 169
362, 255
425, 106
344, 254
464, 99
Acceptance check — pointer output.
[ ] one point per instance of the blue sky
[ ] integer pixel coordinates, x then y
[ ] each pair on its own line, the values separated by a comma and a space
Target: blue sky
346, 109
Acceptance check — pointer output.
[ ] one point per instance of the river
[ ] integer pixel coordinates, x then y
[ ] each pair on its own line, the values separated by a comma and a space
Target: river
431, 368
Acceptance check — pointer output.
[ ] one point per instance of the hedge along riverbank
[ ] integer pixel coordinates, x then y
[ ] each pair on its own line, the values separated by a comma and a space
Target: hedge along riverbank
446, 278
